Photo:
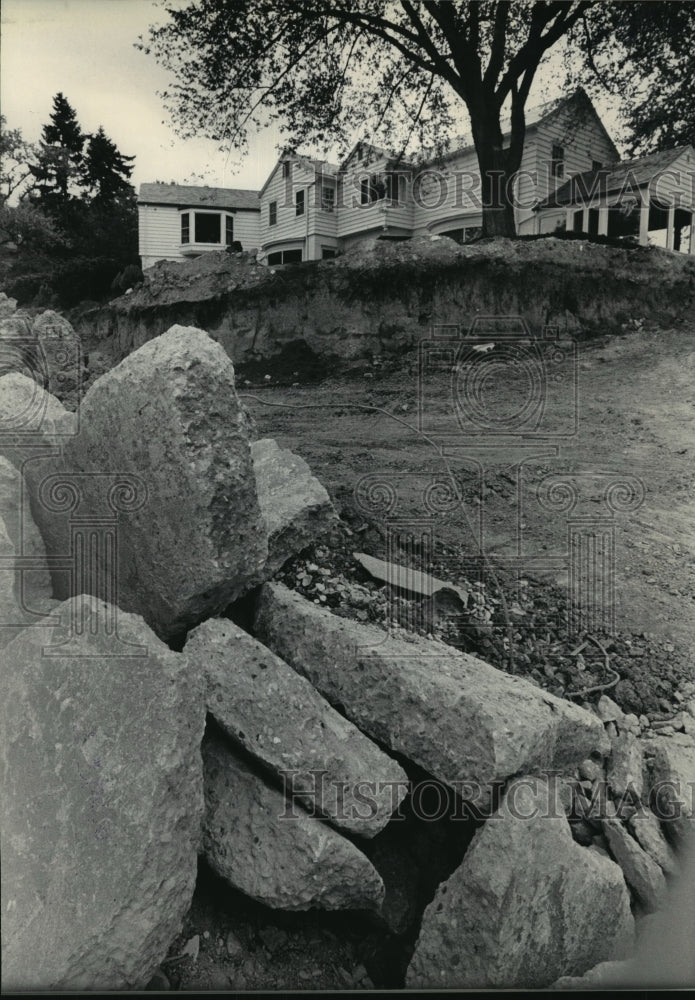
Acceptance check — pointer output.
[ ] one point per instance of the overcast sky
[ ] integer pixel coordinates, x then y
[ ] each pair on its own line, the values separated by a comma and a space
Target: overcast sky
84, 48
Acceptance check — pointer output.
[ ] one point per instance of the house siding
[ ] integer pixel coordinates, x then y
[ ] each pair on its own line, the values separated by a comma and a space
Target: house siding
439, 198
292, 230
159, 232
384, 214
582, 139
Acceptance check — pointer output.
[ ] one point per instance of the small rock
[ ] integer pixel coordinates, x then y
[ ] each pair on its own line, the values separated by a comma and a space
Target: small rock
671, 783
632, 724
642, 873
589, 770
272, 937
608, 711
644, 826
624, 773
295, 506
582, 832
234, 946
8, 306
192, 947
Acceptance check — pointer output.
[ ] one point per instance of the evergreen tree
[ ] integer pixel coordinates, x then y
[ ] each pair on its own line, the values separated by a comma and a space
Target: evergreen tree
106, 170
59, 164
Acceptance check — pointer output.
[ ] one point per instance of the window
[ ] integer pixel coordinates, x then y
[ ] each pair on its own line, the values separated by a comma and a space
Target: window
593, 222
299, 203
207, 227
327, 198
284, 257
596, 165
371, 189
286, 169
557, 161
464, 235
395, 187
272, 213
328, 253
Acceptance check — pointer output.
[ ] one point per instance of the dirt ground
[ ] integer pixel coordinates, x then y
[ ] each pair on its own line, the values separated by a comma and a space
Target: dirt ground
635, 424
627, 460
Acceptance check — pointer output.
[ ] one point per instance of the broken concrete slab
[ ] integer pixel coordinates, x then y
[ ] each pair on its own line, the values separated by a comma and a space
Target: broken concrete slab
645, 828
671, 768
642, 873
278, 717
25, 583
295, 506
273, 851
456, 716
625, 765
101, 783
527, 905
178, 478
406, 578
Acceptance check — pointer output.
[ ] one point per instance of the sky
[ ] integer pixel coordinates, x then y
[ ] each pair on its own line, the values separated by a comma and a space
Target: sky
85, 48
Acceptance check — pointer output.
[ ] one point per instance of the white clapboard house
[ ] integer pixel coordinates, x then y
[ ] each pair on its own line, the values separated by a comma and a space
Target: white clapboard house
571, 177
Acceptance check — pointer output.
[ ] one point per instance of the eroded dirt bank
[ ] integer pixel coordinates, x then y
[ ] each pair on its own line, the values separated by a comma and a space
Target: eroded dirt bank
380, 299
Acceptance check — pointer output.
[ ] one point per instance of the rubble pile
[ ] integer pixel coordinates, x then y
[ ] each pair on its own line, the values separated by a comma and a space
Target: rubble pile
167, 698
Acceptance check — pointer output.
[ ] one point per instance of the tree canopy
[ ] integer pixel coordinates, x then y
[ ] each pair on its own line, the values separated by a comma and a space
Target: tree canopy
58, 164
645, 53
106, 171
15, 157
75, 229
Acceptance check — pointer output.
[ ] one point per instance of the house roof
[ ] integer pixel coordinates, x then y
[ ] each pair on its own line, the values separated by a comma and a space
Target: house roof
534, 116
320, 166
189, 196
627, 173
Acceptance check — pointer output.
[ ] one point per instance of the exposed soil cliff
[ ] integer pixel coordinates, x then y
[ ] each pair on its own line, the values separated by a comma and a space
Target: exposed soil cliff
383, 297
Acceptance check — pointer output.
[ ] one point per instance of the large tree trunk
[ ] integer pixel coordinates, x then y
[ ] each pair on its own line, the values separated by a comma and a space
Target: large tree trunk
499, 221
497, 173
